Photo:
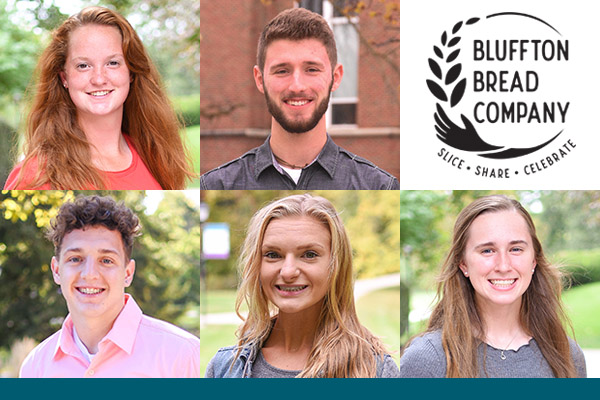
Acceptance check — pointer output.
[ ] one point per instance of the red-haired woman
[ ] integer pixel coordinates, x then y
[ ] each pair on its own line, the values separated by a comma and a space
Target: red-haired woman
100, 118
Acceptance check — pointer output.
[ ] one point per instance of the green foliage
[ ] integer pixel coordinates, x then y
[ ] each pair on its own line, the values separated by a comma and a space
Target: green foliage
582, 266
7, 140
189, 108
166, 282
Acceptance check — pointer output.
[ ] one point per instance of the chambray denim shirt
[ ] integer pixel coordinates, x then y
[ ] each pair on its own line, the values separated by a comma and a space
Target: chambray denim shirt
220, 365
334, 168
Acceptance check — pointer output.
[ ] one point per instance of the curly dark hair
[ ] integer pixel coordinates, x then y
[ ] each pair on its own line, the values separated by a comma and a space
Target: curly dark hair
88, 211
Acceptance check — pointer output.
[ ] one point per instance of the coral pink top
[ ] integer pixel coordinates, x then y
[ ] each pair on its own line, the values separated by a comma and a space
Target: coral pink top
135, 177
137, 346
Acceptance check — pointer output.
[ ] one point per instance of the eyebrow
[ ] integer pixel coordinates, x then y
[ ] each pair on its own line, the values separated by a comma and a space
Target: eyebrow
512, 242
108, 57
102, 251
305, 63
268, 246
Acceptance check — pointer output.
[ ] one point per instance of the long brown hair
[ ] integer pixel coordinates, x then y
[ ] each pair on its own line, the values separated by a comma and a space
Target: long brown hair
342, 346
456, 314
54, 139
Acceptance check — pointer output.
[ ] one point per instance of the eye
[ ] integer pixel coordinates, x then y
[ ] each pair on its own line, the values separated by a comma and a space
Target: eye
271, 255
517, 250
487, 251
311, 255
82, 66
74, 259
114, 63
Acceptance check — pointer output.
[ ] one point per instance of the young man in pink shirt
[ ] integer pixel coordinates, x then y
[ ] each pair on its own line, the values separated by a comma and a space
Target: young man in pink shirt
105, 334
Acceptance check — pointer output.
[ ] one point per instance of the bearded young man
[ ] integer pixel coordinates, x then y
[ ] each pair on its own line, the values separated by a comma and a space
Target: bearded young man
297, 70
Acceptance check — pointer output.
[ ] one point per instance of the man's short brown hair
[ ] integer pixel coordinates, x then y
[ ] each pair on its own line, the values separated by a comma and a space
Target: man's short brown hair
93, 211
297, 24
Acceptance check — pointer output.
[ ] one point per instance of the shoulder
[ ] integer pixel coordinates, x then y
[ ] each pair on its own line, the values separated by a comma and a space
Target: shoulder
168, 332
424, 357
389, 368
225, 176
29, 172
371, 174
578, 359
224, 363
39, 358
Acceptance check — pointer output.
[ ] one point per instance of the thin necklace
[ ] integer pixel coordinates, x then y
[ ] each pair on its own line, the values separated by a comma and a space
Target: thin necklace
502, 356
287, 164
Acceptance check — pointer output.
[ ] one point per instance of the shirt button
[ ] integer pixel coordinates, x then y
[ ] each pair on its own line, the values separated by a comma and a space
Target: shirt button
91, 372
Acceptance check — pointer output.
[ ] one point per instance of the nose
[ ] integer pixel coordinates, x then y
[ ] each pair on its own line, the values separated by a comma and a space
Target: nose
289, 271
298, 83
98, 76
89, 269
503, 263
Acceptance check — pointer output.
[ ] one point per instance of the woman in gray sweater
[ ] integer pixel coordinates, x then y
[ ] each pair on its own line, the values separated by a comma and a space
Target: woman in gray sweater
499, 312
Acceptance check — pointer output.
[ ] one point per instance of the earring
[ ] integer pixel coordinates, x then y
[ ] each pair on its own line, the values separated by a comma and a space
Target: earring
466, 274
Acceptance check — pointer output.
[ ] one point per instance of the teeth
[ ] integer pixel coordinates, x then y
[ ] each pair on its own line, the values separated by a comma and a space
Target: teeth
502, 282
89, 290
297, 102
291, 288
100, 93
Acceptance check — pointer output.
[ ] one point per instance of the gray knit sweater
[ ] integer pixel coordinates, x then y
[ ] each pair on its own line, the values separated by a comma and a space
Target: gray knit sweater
425, 358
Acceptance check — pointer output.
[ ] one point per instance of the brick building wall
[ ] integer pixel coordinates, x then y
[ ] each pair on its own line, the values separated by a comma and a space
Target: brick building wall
233, 109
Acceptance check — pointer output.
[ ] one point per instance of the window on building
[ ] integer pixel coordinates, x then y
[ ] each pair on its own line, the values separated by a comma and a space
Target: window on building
344, 100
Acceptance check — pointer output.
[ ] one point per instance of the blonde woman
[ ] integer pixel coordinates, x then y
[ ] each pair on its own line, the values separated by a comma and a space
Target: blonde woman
296, 272
499, 312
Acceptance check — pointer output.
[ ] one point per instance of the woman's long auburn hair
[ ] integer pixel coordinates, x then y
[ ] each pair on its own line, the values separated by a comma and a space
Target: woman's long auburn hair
456, 313
342, 346
56, 142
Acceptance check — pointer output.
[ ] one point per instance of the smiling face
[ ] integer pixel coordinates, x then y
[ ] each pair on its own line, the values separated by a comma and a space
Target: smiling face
499, 258
93, 273
95, 72
297, 81
296, 253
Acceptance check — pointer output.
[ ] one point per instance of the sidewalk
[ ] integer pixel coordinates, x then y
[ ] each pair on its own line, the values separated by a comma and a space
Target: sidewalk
361, 288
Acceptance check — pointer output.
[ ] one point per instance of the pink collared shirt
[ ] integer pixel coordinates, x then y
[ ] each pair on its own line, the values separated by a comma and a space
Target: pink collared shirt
137, 346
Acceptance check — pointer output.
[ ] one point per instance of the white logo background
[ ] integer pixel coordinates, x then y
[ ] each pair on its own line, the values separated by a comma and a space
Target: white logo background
576, 81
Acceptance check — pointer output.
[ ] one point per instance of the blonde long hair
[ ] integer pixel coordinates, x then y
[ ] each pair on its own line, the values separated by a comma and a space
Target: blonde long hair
342, 346
456, 314
55, 140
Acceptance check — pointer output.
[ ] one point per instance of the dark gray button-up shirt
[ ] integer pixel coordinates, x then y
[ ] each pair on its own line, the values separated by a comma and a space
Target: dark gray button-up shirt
334, 168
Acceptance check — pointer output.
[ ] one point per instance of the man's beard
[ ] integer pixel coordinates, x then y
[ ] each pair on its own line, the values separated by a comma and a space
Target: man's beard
298, 126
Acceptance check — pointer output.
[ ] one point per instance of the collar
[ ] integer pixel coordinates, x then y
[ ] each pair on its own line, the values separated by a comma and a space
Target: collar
327, 158
122, 333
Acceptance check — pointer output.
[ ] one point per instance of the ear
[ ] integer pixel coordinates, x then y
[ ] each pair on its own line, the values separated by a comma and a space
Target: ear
63, 77
463, 268
258, 79
129, 271
55, 270
338, 72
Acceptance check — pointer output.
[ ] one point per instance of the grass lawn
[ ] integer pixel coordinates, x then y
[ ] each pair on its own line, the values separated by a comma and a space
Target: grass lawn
192, 133
583, 307
379, 312
212, 338
218, 301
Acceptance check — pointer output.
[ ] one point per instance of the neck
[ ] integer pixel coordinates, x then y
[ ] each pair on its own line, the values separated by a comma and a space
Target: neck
91, 332
298, 149
92, 329
293, 333
109, 150
503, 327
